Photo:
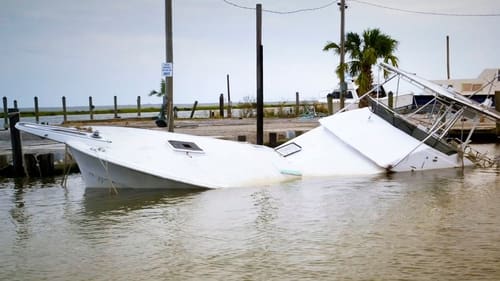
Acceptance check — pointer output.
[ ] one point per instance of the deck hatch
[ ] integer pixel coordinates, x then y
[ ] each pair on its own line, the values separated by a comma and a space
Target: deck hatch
288, 149
185, 146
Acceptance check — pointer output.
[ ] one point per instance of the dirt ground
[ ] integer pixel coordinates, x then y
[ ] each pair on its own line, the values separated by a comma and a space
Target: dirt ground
229, 128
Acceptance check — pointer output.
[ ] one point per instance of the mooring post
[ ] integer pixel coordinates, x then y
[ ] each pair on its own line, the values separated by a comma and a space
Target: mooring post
194, 108
65, 116
497, 108
37, 117
15, 138
5, 114
138, 105
91, 108
115, 107
15, 105
390, 101
329, 99
273, 139
297, 103
221, 105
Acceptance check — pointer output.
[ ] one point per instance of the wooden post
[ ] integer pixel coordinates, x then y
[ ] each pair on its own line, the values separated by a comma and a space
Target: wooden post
194, 108
329, 99
229, 113
138, 105
115, 107
39, 165
15, 138
15, 105
5, 114
260, 76
273, 139
390, 101
91, 108
37, 117
65, 115
497, 108
297, 104
46, 164
221, 106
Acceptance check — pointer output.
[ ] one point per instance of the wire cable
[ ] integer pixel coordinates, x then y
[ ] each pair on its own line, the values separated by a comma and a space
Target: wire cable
424, 12
282, 12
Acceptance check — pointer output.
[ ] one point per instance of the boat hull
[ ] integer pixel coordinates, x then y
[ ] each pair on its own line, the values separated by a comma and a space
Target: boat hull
98, 173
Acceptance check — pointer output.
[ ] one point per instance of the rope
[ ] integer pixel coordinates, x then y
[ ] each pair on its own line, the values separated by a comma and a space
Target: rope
66, 167
112, 188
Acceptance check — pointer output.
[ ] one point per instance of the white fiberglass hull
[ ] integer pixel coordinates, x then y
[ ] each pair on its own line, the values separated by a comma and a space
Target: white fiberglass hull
356, 142
138, 158
97, 173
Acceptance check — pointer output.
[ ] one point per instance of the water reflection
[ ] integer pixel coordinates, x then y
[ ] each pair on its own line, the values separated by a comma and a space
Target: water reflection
101, 200
20, 218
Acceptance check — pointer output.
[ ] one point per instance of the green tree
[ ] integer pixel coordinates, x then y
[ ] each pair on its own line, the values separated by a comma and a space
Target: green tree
160, 121
162, 91
364, 52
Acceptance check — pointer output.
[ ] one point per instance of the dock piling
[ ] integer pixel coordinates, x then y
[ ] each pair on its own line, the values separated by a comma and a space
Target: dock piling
221, 105
497, 108
115, 107
329, 99
37, 117
65, 116
15, 137
273, 139
138, 106
91, 108
194, 109
5, 114
39, 165
297, 104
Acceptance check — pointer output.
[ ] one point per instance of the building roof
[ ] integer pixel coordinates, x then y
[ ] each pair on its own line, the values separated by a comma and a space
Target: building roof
477, 85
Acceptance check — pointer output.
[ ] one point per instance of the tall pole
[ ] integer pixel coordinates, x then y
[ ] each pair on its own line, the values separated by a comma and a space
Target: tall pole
260, 87
170, 59
343, 85
448, 56
229, 114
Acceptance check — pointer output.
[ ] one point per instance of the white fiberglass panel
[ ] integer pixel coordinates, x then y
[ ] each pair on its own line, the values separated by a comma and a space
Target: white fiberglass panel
372, 136
324, 154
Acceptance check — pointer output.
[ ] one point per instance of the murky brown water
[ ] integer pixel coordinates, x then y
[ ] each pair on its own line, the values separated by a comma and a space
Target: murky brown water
441, 225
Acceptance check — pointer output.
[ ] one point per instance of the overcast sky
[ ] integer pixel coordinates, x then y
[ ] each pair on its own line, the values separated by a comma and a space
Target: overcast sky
102, 48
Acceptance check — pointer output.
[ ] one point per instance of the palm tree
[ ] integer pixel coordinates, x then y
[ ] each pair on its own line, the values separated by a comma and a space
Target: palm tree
161, 93
160, 121
364, 52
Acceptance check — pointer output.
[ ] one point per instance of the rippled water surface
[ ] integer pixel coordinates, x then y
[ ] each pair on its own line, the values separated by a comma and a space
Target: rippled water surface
440, 225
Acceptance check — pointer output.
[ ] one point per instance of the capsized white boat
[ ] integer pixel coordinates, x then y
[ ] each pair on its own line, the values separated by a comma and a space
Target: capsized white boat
364, 141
